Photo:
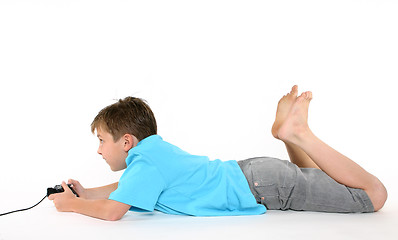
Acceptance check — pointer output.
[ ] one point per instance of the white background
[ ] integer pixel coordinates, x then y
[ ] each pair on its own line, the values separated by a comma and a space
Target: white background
212, 71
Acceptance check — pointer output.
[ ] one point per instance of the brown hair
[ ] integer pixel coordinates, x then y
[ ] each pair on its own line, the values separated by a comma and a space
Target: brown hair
128, 116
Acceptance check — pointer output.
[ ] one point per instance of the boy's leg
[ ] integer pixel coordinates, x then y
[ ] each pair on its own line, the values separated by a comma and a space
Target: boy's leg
299, 157
296, 154
295, 131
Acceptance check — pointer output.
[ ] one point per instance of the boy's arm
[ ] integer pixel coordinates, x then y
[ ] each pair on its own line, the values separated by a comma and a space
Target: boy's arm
101, 192
100, 208
93, 193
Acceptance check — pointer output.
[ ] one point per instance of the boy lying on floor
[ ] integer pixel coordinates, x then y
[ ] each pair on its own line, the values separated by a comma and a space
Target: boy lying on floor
160, 176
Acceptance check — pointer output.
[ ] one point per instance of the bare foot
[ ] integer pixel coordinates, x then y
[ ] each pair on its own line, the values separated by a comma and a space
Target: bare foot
296, 123
284, 106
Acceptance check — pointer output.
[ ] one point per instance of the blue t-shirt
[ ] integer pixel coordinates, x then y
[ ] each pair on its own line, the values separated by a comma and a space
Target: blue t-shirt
161, 176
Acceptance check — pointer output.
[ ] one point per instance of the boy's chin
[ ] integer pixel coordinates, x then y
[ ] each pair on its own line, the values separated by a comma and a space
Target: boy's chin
117, 168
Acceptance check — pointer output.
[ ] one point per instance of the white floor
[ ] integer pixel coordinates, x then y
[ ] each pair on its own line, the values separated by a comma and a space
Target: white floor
44, 222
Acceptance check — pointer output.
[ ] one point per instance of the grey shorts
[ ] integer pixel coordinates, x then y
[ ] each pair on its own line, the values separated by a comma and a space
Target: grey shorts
282, 185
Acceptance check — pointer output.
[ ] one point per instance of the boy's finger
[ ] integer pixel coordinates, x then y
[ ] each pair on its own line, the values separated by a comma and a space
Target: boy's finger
66, 188
73, 182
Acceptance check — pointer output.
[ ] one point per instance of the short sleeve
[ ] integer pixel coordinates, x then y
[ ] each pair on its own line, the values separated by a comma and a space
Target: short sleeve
140, 185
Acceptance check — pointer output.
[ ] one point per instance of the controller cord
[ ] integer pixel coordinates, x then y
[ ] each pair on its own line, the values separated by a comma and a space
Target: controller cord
2, 214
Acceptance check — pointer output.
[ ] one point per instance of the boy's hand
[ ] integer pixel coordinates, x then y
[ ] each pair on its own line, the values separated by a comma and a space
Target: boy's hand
63, 201
100, 208
79, 189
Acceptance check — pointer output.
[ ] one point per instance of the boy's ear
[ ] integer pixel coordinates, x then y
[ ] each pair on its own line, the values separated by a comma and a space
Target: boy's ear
130, 141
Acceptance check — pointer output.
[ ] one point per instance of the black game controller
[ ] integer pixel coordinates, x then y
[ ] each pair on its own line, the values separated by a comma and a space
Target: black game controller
59, 189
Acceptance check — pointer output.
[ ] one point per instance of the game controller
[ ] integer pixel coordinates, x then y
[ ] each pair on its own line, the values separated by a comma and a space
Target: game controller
59, 189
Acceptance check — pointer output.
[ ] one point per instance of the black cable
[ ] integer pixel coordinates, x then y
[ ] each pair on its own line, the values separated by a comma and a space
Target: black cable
2, 214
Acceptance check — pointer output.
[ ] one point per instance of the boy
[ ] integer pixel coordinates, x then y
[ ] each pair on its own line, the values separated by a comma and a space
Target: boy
161, 176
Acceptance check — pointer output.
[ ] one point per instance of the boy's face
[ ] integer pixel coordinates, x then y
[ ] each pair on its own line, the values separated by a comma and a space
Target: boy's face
114, 153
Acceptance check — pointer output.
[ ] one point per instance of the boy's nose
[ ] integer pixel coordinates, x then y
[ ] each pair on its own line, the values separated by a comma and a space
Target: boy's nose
99, 152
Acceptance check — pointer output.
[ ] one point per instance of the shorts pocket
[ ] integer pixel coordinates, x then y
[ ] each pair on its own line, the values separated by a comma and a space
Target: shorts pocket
274, 181
269, 196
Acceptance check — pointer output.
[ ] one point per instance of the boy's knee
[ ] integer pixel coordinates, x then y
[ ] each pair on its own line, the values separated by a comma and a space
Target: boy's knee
377, 194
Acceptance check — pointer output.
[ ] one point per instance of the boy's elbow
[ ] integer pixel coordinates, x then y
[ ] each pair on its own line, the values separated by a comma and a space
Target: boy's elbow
115, 213
113, 216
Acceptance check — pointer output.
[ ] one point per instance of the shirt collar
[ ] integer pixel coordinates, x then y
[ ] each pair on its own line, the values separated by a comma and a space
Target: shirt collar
149, 139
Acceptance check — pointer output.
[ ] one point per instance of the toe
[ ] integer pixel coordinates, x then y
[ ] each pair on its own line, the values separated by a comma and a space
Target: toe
294, 90
309, 95
304, 96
